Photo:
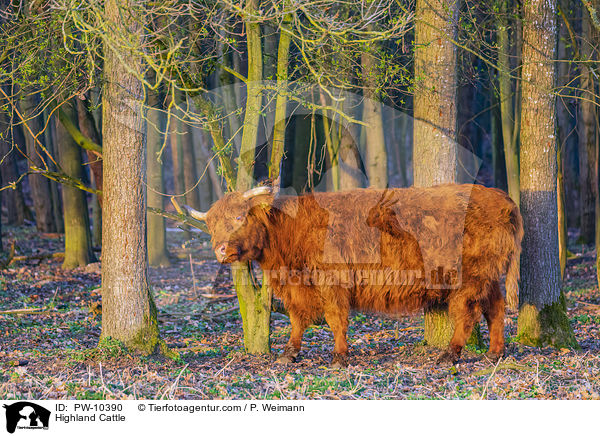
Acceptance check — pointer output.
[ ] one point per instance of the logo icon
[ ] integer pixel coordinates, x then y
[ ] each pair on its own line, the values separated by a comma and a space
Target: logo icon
26, 415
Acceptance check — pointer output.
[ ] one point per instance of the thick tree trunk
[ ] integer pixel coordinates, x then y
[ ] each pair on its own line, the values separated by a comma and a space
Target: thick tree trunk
128, 309
375, 151
542, 312
157, 240
78, 240
40, 185
434, 149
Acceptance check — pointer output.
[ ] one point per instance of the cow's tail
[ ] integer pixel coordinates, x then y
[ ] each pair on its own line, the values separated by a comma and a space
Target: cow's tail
512, 272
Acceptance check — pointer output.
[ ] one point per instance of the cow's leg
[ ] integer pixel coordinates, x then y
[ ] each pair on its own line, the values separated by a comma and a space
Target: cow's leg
337, 318
292, 349
464, 312
494, 315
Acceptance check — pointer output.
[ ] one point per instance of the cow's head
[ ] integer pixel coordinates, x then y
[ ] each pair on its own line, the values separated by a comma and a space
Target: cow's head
237, 224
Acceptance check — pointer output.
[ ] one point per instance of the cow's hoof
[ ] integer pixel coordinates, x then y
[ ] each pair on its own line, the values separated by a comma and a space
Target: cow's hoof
494, 356
448, 357
339, 361
288, 356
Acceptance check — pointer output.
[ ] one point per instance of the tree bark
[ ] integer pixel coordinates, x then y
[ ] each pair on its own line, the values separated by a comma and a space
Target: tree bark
283, 51
434, 128
586, 128
190, 174
375, 151
542, 311
255, 303
87, 127
78, 241
128, 309
40, 185
157, 240
13, 199
51, 142
508, 108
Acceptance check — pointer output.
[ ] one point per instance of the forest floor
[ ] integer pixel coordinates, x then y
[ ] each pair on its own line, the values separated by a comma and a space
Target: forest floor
49, 352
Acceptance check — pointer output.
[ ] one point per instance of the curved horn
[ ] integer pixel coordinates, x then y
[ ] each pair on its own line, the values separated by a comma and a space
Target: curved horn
195, 213
259, 190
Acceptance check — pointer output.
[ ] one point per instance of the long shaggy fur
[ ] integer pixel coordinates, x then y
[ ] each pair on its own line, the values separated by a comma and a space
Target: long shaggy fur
390, 251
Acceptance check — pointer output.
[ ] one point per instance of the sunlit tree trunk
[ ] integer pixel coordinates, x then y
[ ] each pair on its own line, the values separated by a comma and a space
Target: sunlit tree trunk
283, 51
542, 310
255, 302
434, 150
128, 309
157, 240
375, 151
78, 240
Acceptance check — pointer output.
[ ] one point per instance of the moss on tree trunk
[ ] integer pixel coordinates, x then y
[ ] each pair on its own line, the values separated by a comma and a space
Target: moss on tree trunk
255, 309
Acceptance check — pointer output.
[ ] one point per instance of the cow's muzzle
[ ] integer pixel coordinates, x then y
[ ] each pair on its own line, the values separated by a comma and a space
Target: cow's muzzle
226, 253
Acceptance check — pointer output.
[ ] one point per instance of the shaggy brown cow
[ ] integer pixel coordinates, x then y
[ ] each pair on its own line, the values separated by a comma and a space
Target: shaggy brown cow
395, 251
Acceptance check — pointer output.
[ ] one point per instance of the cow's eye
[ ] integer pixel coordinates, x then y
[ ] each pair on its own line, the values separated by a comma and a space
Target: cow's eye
239, 218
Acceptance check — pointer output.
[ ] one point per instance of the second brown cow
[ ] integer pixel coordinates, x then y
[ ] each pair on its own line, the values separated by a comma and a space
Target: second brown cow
393, 251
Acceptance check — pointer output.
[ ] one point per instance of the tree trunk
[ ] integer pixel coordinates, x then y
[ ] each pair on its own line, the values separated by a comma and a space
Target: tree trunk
278, 147
87, 126
51, 142
498, 162
564, 131
190, 175
434, 146
375, 151
204, 148
205, 188
586, 128
128, 309
508, 112
13, 199
157, 240
254, 301
542, 311
78, 240
40, 185
177, 155
562, 221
